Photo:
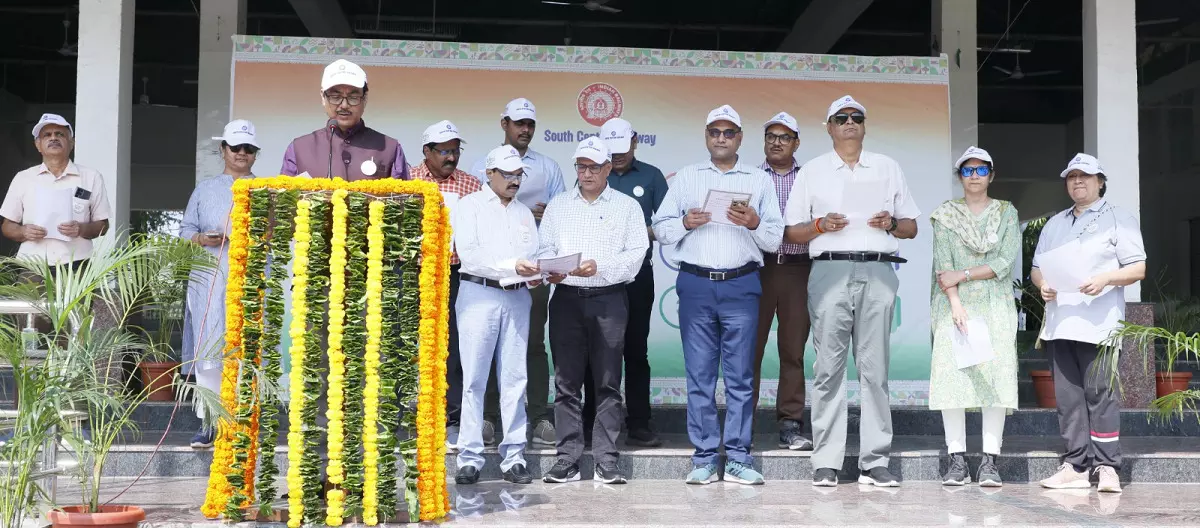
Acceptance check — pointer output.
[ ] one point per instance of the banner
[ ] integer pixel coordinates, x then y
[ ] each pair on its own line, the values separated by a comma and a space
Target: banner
666, 95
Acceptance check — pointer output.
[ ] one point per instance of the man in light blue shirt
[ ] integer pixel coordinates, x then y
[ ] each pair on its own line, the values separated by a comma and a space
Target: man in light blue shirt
544, 181
718, 254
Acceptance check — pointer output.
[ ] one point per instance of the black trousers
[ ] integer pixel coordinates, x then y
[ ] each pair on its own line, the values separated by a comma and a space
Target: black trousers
637, 359
1089, 411
454, 373
587, 331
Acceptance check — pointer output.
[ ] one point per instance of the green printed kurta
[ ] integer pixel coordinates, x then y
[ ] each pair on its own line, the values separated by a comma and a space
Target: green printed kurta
964, 240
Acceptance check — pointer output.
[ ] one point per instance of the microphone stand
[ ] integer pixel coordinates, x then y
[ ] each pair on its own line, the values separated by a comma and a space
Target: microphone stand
332, 126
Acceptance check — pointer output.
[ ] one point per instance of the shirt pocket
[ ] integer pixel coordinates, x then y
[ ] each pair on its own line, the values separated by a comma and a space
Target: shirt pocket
80, 210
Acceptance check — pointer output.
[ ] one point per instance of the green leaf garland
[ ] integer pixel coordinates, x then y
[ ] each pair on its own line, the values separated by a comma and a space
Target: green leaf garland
317, 295
354, 343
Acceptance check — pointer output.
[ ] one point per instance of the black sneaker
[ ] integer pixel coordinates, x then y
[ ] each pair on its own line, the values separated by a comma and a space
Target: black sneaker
518, 475
958, 474
825, 478
989, 475
608, 473
467, 475
642, 437
790, 436
878, 476
562, 471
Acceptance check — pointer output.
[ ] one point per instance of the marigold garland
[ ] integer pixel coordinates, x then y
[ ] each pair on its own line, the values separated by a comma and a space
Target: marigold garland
295, 483
434, 285
371, 360
337, 368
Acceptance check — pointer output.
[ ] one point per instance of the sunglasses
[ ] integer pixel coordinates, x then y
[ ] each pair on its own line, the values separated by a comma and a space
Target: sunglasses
840, 119
248, 149
982, 171
729, 133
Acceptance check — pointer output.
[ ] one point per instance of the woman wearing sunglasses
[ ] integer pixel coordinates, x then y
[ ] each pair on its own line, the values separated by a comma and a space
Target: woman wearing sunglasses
976, 241
206, 222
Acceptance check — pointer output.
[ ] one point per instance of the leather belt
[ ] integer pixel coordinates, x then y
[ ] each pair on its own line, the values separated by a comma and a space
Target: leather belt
860, 256
719, 274
785, 258
590, 292
490, 283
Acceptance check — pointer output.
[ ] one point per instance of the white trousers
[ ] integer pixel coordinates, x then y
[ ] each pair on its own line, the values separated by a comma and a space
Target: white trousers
209, 379
955, 423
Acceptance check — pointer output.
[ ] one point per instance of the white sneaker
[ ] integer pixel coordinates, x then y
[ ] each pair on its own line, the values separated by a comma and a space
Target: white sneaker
1109, 481
1067, 478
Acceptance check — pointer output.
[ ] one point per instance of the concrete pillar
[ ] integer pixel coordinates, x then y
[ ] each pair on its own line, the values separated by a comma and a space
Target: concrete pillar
104, 100
1110, 101
954, 27
219, 21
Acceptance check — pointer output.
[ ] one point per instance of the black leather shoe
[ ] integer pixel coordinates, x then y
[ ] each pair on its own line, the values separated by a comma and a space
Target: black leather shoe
467, 475
518, 475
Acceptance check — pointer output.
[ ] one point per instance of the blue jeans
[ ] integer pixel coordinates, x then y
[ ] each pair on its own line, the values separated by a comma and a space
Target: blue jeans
718, 321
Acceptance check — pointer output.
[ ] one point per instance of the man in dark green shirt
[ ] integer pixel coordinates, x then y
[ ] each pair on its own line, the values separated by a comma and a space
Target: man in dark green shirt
646, 184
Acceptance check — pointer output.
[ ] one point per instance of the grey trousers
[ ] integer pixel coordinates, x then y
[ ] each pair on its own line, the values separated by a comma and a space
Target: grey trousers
851, 300
1089, 409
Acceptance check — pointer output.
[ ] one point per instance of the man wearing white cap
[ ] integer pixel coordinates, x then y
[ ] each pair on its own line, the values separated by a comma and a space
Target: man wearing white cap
62, 235
851, 206
785, 290
496, 239
718, 250
442, 146
544, 181
345, 147
589, 308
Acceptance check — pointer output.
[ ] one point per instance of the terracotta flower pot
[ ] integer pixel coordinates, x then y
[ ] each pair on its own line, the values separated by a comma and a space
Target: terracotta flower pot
1043, 386
110, 516
159, 379
1171, 382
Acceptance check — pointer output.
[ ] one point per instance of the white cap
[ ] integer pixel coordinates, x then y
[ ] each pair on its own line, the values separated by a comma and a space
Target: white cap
505, 158
440, 132
51, 119
239, 132
844, 101
1084, 162
520, 108
617, 134
342, 71
724, 113
973, 152
785, 119
594, 149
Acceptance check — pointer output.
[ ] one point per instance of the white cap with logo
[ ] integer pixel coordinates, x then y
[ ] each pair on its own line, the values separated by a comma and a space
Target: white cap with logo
844, 102
505, 158
617, 135
594, 149
973, 152
239, 132
51, 119
1086, 163
724, 113
440, 132
341, 72
520, 108
785, 119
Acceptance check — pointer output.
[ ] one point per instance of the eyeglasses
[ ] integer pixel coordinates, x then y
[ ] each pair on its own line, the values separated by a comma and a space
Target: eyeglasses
447, 152
512, 176
783, 139
841, 119
982, 171
337, 98
594, 169
248, 149
729, 133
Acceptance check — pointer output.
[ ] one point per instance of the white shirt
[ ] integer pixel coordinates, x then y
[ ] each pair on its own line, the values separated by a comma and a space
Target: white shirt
1110, 238
23, 195
826, 184
491, 238
544, 181
714, 245
610, 231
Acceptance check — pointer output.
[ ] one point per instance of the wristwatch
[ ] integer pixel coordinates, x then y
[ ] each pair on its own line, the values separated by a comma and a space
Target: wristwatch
893, 226
967, 272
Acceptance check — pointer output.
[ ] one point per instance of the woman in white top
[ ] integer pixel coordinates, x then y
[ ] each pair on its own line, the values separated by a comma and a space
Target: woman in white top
1100, 245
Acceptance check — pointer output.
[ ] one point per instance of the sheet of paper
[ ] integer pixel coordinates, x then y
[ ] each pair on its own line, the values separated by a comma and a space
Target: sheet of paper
717, 203
564, 264
50, 208
975, 347
1061, 269
861, 201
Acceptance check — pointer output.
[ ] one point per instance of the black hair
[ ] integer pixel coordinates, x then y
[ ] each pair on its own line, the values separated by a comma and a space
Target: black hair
1103, 184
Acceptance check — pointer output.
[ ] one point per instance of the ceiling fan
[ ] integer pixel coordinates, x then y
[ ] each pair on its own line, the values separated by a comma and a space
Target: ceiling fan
590, 5
1017, 73
68, 49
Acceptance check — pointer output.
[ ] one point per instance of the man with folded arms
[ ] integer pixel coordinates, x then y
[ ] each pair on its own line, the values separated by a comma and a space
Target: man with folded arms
719, 289
852, 286
589, 309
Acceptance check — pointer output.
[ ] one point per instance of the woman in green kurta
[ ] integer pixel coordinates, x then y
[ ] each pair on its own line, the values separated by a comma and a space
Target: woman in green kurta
976, 241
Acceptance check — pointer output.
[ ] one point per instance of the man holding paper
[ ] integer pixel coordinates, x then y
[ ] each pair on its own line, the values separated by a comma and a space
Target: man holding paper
56, 208
719, 245
851, 206
601, 232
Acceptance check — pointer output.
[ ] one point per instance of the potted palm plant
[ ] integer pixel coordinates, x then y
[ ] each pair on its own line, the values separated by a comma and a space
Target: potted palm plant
164, 315
1180, 318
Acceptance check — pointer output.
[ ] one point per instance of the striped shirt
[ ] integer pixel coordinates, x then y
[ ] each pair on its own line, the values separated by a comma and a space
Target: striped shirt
453, 187
783, 187
714, 245
545, 179
610, 231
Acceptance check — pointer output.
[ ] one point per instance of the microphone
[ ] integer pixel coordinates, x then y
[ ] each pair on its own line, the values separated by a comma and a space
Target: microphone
346, 162
332, 126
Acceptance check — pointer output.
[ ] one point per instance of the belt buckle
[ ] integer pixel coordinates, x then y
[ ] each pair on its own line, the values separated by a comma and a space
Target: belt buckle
716, 275
780, 258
